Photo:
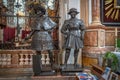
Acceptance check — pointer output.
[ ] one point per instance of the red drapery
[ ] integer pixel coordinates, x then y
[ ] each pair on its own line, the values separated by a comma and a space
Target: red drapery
24, 33
8, 34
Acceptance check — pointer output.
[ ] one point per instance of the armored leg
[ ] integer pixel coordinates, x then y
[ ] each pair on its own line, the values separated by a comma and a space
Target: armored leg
75, 57
51, 57
67, 56
37, 64
38, 52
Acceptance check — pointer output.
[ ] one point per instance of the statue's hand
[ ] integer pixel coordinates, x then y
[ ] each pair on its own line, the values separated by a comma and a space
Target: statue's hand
82, 38
67, 34
49, 31
26, 38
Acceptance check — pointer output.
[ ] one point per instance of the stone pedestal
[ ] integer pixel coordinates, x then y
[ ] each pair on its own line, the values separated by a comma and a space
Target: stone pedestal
95, 37
58, 77
94, 41
110, 38
71, 70
42, 70
47, 71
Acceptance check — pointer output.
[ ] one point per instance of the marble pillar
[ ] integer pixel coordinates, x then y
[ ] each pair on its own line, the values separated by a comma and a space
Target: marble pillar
96, 12
95, 34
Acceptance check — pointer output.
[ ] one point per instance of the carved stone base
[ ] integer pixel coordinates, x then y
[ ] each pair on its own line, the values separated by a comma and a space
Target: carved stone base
58, 77
71, 70
46, 71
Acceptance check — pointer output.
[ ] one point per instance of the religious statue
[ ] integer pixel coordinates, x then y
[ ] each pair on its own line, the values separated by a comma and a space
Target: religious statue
73, 30
41, 33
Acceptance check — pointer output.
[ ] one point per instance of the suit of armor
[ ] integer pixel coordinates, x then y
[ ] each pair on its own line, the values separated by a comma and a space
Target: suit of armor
42, 39
73, 30
41, 28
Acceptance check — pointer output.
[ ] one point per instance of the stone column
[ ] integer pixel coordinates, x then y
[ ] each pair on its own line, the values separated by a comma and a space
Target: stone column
96, 12
62, 13
94, 42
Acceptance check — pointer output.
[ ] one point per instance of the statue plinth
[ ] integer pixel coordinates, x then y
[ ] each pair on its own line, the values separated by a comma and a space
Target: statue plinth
46, 71
70, 70
42, 70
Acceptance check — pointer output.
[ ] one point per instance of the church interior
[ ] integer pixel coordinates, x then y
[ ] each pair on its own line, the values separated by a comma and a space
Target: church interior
101, 41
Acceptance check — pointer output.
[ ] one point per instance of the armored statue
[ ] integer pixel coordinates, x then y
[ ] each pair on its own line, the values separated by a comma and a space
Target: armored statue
73, 30
41, 29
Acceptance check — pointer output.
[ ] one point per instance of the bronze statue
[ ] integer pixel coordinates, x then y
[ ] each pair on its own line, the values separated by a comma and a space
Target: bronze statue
41, 32
73, 30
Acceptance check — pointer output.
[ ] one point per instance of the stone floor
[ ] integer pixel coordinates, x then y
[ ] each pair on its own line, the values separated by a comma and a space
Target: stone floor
40, 78
15, 78
16, 74
58, 77
27, 74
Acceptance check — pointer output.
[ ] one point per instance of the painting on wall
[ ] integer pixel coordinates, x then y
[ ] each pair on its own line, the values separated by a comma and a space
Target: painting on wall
110, 12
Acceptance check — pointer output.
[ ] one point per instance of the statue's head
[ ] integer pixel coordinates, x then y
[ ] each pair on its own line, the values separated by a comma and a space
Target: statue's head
36, 9
39, 10
73, 10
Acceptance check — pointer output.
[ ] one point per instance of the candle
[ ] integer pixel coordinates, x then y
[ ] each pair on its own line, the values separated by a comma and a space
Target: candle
116, 31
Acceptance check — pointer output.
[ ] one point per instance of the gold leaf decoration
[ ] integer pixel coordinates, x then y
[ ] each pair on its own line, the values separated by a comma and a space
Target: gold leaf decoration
111, 11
